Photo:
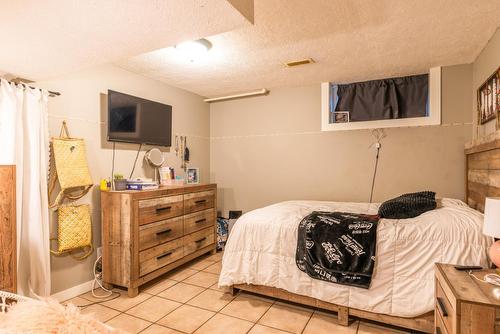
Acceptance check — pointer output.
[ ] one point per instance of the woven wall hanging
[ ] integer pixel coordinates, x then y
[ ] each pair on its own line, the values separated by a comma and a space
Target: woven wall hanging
68, 165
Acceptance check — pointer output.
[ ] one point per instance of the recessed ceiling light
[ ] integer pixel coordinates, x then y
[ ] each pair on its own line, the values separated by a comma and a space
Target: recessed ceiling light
194, 50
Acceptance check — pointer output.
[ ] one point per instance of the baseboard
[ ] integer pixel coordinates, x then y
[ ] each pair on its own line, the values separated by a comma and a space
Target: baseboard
72, 292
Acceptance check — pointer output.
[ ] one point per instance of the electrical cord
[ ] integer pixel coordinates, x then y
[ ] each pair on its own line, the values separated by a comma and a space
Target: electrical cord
112, 167
493, 279
374, 172
378, 134
135, 162
98, 281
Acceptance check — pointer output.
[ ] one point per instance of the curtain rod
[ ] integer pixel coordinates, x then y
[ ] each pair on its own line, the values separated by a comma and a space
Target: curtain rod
51, 93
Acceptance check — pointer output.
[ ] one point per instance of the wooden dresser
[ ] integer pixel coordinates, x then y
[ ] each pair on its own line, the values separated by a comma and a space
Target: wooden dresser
8, 241
148, 233
463, 304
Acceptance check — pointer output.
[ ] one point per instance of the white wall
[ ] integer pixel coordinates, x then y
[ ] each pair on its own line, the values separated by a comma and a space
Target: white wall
83, 104
269, 149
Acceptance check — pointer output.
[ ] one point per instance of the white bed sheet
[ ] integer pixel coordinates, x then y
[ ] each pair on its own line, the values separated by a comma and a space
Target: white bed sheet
261, 250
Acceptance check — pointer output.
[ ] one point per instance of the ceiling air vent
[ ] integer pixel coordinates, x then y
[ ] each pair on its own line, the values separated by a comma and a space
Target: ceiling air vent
300, 62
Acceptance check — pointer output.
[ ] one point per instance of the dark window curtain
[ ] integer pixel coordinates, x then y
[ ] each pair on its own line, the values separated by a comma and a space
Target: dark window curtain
392, 98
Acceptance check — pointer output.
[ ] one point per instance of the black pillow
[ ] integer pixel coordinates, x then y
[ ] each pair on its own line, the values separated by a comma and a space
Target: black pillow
408, 205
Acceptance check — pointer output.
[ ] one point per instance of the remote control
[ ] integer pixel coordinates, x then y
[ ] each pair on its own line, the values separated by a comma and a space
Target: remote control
467, 268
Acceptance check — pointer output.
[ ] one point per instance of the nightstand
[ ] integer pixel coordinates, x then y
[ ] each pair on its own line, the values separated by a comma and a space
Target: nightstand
463, 304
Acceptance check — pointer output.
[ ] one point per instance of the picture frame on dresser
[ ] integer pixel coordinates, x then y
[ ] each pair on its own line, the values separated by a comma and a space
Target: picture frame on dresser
146, 234
193, 176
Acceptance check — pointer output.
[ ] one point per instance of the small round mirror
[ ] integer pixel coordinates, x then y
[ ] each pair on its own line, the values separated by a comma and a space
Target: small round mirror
155, 157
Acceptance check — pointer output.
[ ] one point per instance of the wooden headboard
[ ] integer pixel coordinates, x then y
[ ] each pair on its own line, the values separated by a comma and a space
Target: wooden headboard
483, 173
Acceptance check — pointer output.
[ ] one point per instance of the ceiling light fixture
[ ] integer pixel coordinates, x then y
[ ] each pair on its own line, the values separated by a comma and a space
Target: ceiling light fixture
194, 50
262, 91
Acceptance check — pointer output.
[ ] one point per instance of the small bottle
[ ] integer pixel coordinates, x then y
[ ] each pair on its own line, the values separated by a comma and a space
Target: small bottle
104, 185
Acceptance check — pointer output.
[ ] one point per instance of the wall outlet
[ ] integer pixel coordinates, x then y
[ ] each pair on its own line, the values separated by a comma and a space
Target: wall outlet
99, 252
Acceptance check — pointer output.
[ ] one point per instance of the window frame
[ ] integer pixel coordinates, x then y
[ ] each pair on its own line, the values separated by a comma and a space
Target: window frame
434, 117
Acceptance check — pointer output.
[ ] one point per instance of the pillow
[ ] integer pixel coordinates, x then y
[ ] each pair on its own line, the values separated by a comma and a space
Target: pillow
408, 205
48, 317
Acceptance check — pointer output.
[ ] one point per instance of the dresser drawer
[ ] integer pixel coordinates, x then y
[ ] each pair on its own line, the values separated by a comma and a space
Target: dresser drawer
444, 309
197, 240
153, 210
159, 256
199, 201
159, 232
199, 220
440, 327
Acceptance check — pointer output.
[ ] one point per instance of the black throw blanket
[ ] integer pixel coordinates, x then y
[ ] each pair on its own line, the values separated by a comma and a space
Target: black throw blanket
338, 247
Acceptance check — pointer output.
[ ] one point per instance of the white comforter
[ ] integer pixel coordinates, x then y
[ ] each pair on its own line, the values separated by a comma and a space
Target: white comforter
261, 250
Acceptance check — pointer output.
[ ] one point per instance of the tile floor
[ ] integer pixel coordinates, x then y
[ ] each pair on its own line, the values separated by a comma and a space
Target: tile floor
189, 301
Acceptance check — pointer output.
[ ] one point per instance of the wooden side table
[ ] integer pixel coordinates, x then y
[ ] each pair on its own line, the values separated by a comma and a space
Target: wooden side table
463, 304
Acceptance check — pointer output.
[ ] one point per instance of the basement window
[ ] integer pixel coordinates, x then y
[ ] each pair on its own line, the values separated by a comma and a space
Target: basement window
394, 102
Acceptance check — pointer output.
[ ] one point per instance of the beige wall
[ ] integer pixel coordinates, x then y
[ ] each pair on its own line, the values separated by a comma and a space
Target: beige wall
83, 105
269, 149
485, 65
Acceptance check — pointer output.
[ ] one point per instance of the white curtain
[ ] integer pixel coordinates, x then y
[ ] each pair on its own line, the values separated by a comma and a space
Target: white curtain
24, 139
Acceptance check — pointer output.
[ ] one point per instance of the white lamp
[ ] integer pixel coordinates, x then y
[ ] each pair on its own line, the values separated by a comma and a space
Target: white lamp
491, 226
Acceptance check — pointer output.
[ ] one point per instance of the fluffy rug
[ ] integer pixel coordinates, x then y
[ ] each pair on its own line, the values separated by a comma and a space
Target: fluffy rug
50, 317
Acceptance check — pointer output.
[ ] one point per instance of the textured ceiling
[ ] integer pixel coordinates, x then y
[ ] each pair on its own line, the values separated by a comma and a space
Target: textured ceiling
349, 40
44, 39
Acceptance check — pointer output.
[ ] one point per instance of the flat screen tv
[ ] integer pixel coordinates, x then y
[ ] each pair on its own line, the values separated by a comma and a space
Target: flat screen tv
132, 119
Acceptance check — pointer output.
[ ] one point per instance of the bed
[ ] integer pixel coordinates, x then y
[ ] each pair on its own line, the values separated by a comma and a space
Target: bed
260, 257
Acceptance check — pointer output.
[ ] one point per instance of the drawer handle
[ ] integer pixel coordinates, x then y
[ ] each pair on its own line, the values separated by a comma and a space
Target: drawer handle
164, 255
201, 201
164, 232
441, 307
200, 221
160, 209
202, 239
